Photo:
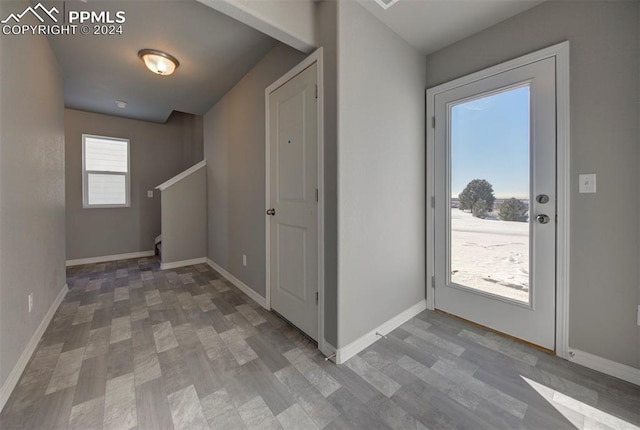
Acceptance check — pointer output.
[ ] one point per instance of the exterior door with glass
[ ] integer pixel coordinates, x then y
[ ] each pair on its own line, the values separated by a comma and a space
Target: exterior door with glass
495, 193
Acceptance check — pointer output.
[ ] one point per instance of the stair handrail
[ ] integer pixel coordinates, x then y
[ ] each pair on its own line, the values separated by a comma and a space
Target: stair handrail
181, 176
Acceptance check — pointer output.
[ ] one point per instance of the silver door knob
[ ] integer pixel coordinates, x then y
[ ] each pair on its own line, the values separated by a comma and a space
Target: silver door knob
271, 211
543, 219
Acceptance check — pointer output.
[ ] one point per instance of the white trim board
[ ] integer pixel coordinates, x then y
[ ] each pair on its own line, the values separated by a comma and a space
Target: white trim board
266, 19
107, 258
604, 365
181, 176
561, 54
16, 372
183, 263
346, 352
238, 283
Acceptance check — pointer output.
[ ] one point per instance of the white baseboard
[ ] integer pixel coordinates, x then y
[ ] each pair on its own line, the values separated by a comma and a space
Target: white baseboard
238, 283
604, 365
183, 263
106, 258
345, 353
14, 376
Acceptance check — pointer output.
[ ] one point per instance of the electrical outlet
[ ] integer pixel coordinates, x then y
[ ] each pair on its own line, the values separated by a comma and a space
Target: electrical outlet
150, 194
244, 260
30, 302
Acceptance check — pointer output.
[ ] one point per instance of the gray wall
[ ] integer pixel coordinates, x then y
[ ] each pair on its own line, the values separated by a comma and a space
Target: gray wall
32, 226
604, 290
158, 152
234, 146
184, 218
327, 27
192, 139
381, 173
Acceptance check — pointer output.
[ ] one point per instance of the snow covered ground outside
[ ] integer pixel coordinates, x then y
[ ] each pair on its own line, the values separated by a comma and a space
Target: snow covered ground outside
490, 255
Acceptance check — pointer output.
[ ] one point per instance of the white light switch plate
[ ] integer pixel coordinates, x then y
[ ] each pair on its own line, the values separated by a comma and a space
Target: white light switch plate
587, 183
150, 194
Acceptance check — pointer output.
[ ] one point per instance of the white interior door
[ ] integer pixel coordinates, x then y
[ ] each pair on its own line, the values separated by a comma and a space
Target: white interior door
495, 211
293, 226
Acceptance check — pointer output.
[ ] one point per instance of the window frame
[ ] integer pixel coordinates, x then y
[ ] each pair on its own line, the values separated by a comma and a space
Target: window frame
85, 174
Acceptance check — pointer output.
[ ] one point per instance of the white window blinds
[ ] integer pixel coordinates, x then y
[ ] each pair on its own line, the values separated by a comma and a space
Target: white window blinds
105, 171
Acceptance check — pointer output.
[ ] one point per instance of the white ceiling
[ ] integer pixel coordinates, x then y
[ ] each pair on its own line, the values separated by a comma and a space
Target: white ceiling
214, 52
430, 25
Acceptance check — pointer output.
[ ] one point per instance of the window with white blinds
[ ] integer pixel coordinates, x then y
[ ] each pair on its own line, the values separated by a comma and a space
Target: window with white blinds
105, 171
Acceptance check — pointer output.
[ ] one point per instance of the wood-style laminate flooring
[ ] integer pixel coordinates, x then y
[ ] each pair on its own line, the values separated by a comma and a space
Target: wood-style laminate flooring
134, 347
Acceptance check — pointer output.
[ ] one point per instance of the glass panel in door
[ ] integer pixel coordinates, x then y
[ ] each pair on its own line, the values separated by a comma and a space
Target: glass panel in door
489, 188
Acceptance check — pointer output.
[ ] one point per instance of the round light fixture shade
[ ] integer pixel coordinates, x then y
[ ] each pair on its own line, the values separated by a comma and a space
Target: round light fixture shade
158, 62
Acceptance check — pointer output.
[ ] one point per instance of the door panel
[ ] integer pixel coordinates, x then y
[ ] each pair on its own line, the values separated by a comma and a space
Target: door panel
291, 243
291, 155
495, 147
293, 250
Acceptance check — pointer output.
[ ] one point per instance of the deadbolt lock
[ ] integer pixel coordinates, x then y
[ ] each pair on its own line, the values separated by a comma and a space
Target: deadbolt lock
542, 198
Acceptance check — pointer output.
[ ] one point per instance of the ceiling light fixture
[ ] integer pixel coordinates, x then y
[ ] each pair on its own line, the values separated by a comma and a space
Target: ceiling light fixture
121, 104
158, 62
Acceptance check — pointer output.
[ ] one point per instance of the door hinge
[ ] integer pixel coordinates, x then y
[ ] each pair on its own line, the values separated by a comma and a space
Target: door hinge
317, 297
433, 122
316, 91
433, 282
433, 201
317, 195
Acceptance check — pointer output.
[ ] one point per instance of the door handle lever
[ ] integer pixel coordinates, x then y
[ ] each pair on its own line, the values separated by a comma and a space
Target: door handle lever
271, 211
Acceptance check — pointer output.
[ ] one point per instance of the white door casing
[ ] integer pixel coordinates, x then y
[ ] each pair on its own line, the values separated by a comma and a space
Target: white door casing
293, 200
471, 305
